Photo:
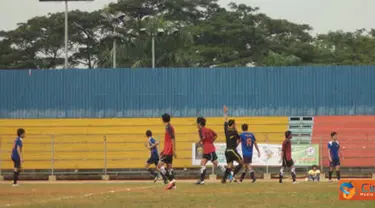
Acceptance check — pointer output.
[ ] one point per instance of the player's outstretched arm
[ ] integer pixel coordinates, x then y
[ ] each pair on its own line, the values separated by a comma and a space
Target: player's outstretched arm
225, 109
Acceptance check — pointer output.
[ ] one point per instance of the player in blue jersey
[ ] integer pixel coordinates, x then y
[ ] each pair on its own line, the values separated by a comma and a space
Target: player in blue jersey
334, 156
152, 145
17, 156
248, 142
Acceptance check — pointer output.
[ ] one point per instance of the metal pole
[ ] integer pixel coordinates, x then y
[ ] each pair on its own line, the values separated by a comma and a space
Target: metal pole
105, 155
0, 156
53, 155
114, 51
321, 155
66, 35
153, 51
267, 146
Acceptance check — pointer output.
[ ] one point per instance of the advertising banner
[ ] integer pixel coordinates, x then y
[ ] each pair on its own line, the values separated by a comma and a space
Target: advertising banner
303, 155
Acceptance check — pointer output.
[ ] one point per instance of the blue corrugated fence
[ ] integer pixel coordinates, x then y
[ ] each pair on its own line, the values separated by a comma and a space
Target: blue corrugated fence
187, 92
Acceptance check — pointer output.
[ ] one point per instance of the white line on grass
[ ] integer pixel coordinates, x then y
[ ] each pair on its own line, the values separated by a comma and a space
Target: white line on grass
80, 196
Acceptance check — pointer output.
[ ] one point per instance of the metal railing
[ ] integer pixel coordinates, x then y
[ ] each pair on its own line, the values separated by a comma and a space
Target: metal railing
102, 150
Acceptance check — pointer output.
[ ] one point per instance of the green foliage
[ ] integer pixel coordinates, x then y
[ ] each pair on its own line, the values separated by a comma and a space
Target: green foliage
208, 36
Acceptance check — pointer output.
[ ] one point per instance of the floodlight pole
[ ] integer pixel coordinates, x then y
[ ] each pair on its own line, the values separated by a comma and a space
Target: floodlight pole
153, 51
66, 56
66, 34
114, 50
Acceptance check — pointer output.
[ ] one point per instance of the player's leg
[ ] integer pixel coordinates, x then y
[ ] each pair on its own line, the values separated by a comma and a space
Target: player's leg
230, 176
218, 166
157, 171
149, 162
170, 172
281, 173
292, 171
290, 164
202, 173
331, 166
17, 170
229, 159
246, 161
338, 174
228, 171
252, 173
216, 162
162, 170
245, 170
239, 160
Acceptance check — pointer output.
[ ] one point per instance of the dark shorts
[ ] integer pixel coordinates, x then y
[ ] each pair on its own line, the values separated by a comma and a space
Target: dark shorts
167, 159
211, 156
16, 163
287, 163
154, 159
334, 163
247, 159
232, 155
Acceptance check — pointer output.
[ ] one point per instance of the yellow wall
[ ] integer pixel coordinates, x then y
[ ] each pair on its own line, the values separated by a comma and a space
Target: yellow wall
75, 149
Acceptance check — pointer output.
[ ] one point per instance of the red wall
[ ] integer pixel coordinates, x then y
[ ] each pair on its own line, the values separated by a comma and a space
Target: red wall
356, 136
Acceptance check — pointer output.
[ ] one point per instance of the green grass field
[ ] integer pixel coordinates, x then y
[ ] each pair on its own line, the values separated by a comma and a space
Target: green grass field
143, 194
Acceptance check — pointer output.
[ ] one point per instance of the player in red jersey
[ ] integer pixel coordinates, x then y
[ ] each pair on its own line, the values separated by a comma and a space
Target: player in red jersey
286, 157
169, 151
207, 138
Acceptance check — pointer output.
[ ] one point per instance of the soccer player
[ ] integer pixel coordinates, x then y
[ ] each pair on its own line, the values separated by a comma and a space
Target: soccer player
154, 156
169, 151
232, 140
17, 156
248, 142
286, 158
333, 155
207, 138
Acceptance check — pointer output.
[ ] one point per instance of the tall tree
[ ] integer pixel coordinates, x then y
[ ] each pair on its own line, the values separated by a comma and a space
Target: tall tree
38, 43
346, 48
86, 35
197, 33
171, 40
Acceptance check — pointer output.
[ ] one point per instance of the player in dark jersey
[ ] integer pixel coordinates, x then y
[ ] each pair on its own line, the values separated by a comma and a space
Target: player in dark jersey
17, 156
248, 142
286, 158
334, 156
169, 152
152, 145
232, 139
207, 138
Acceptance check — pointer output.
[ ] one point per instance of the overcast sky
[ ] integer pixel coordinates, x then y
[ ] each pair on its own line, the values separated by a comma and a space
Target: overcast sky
322, 15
